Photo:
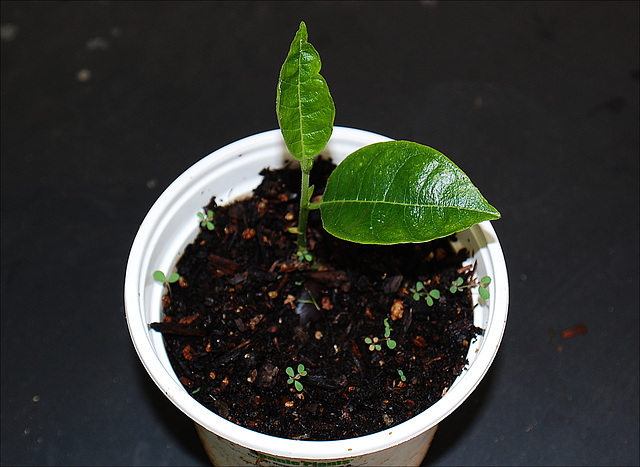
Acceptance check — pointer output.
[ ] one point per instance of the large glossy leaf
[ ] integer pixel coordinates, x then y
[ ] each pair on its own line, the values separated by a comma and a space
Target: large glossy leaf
304, 105
400, 192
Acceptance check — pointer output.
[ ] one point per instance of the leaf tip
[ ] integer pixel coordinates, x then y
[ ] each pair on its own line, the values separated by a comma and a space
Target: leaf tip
302, 31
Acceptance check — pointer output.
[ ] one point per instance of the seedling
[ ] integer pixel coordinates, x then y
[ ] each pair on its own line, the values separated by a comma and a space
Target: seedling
167, 281
387, 333
483, 291
384, 193
458, 285
429, 296
206, 219
294, 378
403, 378
374, 343
160, 277
304, 255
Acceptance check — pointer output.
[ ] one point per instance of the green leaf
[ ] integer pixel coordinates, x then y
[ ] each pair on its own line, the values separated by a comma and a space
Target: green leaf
159, 276
486, 280
173, 278
298, 385
290, 372
419, 286
301, 370
416, 296
400, 192
304, 105
484, 293
391, 344
429, 300
435, 293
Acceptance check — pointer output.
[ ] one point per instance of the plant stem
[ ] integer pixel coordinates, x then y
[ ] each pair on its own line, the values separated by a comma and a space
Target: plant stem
305, 167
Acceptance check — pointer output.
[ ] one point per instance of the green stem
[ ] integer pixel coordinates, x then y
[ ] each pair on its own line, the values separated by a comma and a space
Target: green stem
304, 204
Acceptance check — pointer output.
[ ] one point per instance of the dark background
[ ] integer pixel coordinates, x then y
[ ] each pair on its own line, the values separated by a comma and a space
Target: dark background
105, 103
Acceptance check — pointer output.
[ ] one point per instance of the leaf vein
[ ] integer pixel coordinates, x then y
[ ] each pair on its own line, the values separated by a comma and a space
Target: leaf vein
343, 202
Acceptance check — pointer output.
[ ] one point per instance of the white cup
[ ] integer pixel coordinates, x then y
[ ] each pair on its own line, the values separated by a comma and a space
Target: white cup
171, 224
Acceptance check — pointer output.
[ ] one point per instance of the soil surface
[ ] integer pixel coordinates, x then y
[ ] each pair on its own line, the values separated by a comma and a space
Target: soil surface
245, 309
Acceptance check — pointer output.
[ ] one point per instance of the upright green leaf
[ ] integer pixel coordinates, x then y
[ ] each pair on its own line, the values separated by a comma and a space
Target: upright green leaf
400, 192
159, 276
304, 105
484, 293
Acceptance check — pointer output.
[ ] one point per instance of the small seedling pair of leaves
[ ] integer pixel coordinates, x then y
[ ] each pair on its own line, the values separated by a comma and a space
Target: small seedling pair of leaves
429, 297
304, 255
160, 277
295, 377
374, 343
384, 193
483, 291
206, 220
387, 334
456, 285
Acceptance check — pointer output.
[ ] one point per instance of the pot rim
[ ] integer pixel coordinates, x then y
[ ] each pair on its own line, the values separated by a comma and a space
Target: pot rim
166, 380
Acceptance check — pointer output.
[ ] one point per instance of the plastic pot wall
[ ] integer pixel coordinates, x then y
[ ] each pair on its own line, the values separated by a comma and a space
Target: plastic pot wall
171, 224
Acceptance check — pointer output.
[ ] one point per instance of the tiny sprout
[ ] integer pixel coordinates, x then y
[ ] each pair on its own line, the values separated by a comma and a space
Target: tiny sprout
482, 290
417, 291
160, 277
304, 255
295, 377
387, 333
402, 376
456, 286
429, 297
374, 342
206, 221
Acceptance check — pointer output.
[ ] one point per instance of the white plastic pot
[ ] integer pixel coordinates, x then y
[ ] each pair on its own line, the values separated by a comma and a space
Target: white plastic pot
171, 224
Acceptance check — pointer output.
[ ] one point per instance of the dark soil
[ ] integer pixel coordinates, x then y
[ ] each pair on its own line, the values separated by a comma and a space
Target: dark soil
245, 309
